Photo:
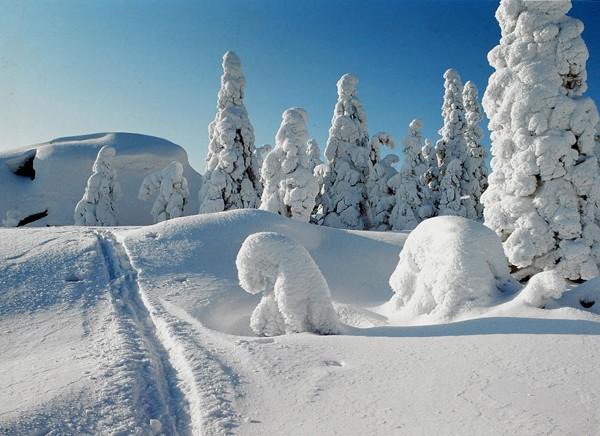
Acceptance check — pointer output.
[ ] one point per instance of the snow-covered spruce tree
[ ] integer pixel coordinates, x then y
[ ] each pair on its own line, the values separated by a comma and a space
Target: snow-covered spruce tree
318, 169
452, 146
261, 153
431, 176
544, 189
295, 298
172, 188
451, 202
290, 186
97, 207
475, 163
381, 196
344, 200
232, 178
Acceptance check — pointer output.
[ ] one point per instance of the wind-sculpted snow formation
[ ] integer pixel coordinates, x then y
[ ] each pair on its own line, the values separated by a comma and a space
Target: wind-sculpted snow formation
345, 201
232, 177
290, 187
295, 298
97, 207
450, 265
543, 198
172, 189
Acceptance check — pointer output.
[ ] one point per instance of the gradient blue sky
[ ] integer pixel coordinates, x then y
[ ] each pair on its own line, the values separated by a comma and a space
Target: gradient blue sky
71, 67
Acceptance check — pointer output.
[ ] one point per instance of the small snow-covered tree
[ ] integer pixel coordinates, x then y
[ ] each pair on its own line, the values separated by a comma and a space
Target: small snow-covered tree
431, 176
97, 207
295, 298
452, 146
344, 201
232, 178
318, 169
381, 196
451, 201
404, 186
290, 185
172, 188
543, 198
475, 163
261, 153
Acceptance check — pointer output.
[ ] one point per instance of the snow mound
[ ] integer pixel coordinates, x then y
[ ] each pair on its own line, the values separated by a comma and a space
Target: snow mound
542, 289
52, 176
296, 297
449, 265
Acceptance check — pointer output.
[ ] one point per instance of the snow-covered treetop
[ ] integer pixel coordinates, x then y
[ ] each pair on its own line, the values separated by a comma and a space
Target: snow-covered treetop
232, 82
451, 145
378, 140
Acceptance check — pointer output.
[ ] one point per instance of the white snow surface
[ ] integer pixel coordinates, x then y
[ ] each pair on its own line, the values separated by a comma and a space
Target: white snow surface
63, 166
142, 330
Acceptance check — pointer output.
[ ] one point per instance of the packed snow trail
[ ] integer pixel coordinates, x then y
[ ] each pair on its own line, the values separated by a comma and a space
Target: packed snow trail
159, 402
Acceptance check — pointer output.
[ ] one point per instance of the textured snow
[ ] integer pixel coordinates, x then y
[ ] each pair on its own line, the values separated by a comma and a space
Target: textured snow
295, 295
172, 189
450, 265
543, 198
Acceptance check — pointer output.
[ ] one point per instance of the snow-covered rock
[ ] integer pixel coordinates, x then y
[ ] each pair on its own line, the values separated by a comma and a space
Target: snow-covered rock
543, 198
232, 177
450, 265
172, 189
296, 297
54, 175
97, 207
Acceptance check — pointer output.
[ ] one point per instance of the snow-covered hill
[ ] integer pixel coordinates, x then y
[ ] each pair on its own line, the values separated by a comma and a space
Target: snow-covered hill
52, 176
145, 330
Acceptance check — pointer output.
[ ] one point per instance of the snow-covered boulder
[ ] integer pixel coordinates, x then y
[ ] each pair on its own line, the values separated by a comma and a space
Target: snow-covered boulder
448, 265
296, 297
52, 176
172, 189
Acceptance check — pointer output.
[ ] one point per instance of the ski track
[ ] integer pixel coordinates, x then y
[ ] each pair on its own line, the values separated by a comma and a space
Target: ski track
139, 373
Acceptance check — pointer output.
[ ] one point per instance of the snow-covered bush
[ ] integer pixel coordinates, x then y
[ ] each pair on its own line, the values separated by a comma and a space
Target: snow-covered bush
451, 147
172, 188
295, 298
380, 194
232, 178
290, 185
543, 198
542, 289
12, 219
448, 265
344, 200
97, 207
475, 163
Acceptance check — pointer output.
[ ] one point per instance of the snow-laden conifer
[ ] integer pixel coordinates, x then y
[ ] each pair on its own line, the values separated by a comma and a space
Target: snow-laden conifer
344, 202
380, 194
544, 189
232, 178
290, 185
97, 207
172, 188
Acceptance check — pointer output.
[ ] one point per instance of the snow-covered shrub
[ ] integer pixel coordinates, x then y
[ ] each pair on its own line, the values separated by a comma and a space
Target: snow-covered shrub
172, 188
475, 163
344, 200
12, 219
290, 185
542, 289
543, 198
232, 178
295, 298
97, 207
452, 146
448, 265
380, 194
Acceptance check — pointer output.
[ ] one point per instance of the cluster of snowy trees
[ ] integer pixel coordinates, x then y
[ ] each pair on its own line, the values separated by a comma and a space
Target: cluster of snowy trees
357, 187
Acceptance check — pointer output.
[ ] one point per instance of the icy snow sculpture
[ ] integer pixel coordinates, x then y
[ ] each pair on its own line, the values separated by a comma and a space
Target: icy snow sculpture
296, 297
448, 265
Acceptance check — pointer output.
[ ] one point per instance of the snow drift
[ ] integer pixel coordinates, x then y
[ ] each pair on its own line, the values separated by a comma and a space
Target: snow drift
296, 297
52, 176
448, 265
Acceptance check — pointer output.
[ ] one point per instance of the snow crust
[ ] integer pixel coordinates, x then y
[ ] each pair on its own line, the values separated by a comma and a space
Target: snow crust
172, 189
544, 192
450, 265
295, 298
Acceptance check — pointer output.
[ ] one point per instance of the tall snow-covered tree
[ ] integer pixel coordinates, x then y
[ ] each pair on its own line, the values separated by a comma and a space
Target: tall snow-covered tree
344, 201
97, 207
475, 164
290, 185
232, 178
381, 196
172, 188
452, 146
544, 189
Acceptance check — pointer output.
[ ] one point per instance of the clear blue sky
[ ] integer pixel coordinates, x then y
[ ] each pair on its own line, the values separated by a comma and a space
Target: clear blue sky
69, 67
